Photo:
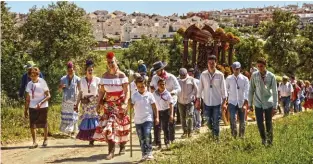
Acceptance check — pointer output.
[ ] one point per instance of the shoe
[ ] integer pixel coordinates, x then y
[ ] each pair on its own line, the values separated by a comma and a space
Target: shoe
149, 157
264, 142
35, 145
111, 146
167, 147
45, 143
184, 136
91, 143
143, 158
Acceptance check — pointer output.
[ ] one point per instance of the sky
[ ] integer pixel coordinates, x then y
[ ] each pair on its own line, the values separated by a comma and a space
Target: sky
163, 8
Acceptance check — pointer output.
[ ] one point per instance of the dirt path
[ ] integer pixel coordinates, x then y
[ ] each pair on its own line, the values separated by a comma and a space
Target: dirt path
74, 151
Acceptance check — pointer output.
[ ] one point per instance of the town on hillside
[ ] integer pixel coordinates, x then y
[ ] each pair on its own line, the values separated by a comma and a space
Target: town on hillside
123, 28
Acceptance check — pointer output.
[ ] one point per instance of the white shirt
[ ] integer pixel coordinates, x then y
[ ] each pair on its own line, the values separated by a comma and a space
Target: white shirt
93, 86
189, 90
163, 100
143, 106
285, 89
237, 96
171, 84
133, 87
215, 95
36, 92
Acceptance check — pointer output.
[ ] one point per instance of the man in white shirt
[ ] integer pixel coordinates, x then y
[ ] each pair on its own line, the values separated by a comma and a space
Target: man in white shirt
213, 87
186, 98
171, 85
196, 116
237, 86
285, 90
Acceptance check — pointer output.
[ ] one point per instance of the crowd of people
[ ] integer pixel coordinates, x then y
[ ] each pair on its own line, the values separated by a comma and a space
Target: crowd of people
105, 102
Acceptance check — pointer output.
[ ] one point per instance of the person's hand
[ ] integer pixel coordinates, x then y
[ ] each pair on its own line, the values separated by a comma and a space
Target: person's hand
197, 105
171, 118
156, 121
26, 114
250, 108
75, 108
38, 106
224, 107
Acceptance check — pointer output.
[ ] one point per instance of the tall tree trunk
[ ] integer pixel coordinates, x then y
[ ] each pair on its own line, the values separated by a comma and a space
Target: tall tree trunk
223, 53
185, 58
194, 53
230, 54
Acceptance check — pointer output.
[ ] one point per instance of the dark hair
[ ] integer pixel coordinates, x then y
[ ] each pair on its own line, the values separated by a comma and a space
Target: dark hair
33, 69
261, 60
140, 79
212, 57
89, 63
161, 80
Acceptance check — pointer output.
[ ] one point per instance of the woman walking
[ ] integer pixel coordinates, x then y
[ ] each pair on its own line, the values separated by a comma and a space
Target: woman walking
69, 113
36, 106
308, 95
114, 124
88, 96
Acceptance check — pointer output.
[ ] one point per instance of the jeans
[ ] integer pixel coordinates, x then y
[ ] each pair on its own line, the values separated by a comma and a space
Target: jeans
296, 105
196, 119
213, 116
233, 124
186, 116
144, 135
164, 117
286, 104
259, 113
301, 101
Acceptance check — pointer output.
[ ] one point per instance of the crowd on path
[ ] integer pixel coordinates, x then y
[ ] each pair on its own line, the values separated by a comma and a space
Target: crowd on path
105, 102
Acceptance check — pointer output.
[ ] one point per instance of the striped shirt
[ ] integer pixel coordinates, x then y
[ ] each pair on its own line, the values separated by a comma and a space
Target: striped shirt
263, 91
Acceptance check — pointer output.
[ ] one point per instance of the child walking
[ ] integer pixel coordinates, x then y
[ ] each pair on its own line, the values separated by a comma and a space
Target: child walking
164, 103
144, 106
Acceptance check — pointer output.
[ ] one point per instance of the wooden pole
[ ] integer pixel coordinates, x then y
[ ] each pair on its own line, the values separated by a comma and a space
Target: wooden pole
131, 123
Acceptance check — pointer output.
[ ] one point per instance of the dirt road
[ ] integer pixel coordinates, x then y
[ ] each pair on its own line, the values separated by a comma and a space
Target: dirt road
74, 151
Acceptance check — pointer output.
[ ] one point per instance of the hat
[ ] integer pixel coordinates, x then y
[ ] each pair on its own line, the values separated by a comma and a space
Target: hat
183, 71
212, 57
141, 62
29, 64
285, 77
191, 70
158, 65
236, 65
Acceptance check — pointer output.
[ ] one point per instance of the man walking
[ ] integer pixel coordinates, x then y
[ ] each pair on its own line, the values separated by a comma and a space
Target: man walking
212, 85
285, 91
238, 89
186, 98
263, 92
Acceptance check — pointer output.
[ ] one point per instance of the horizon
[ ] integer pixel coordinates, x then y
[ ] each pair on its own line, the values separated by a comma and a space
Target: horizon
163, 8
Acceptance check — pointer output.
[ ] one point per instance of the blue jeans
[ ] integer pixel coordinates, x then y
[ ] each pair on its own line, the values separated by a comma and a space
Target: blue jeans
196, 119
286, 104
233, 123
144, 135
213, 116
260, 113
296, 105
301, 101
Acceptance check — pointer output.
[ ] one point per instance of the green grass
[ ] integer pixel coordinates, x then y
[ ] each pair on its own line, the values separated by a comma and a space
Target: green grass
14, 127
293, 143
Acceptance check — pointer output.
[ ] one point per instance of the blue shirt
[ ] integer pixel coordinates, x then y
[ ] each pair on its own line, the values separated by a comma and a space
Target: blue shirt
70, 91
25, 80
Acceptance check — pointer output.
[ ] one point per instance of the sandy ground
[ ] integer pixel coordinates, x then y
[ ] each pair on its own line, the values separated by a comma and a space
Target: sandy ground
70, 150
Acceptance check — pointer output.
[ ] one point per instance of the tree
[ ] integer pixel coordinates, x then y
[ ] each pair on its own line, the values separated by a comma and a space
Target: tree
176, 50
12, 60
148, 49
55, 35
248, 50
280, 35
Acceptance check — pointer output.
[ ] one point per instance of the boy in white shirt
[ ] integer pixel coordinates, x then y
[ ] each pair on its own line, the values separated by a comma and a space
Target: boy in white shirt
164, 103
144, 106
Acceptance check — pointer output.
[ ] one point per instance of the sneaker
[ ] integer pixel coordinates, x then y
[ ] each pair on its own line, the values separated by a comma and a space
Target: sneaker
143, 158
184, 136
189, 135
150, 157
